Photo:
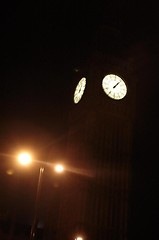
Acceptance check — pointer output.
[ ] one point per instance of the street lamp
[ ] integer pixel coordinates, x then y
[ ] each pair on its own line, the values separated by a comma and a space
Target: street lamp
25, 159
34, 223
59, 168
79, 238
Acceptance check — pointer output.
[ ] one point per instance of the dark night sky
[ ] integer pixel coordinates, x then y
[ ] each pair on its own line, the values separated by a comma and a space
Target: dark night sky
41, 44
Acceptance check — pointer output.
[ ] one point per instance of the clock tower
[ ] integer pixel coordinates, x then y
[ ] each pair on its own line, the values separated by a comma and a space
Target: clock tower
95, 195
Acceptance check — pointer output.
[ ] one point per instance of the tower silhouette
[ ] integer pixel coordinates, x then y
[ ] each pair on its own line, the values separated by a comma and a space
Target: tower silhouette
95, 199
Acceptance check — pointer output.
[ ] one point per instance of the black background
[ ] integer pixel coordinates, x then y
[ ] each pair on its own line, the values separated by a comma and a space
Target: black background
42, 43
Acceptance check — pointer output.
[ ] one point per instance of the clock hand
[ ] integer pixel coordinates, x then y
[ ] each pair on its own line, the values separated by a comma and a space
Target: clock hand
116, 84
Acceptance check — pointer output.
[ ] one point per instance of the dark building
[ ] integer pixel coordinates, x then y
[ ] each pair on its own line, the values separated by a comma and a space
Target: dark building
95, 198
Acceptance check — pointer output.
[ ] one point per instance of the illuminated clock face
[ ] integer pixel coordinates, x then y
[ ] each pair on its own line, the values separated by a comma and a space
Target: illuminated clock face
114, 86
79, 90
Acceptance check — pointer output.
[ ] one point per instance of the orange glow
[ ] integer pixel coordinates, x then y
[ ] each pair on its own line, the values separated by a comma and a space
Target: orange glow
79, 238
10, 172
24, 158
59, 168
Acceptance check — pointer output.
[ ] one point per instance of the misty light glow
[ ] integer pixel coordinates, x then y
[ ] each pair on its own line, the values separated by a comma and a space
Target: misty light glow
59, 168
79, 238
24, 158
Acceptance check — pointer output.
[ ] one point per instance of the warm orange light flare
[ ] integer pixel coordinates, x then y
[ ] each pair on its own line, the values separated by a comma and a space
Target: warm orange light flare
79, 238
24, 158
59, 168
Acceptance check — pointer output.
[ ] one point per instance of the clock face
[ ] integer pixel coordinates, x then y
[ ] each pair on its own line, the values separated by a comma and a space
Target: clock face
114, 86
79, 90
